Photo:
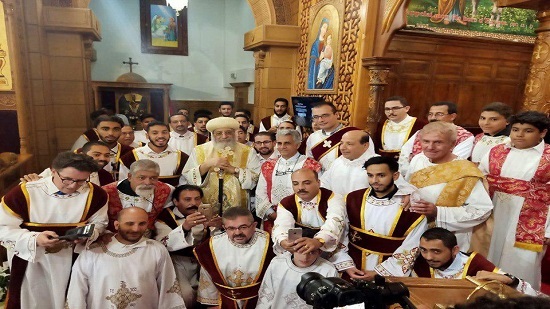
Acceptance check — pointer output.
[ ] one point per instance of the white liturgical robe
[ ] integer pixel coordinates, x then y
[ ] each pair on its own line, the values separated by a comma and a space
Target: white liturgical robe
185, 142
462, 219
320, 136
485, 144
396, 133
345, 176
116, 275
168, 160
519, 164
278, 289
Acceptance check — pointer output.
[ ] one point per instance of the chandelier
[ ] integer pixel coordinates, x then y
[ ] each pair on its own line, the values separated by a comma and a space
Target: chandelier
177, 5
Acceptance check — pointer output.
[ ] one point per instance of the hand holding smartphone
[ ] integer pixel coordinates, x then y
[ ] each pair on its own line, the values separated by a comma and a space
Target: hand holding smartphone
294, 234
207, 211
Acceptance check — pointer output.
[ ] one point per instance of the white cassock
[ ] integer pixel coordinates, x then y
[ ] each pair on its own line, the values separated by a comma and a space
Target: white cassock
345, 176
459, 220
309, 216
278, 289
168, 160
140, 137
281, 184
116, 275
187, 268
47, 274
456, 271
485, 144
395, 133
378, 217
237, 263
462, 150
520, 164
80, 141
318, 137
185, 142
276, 121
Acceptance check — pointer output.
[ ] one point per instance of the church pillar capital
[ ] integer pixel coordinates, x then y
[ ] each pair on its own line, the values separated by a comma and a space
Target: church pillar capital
379, 69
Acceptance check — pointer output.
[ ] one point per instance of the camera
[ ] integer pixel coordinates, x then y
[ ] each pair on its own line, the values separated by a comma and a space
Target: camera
328, 293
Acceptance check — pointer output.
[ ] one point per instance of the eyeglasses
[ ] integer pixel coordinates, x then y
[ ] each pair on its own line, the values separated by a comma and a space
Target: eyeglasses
263, 143
393, 109
69, 181
323, 116
240, 228
436, 115
227, 132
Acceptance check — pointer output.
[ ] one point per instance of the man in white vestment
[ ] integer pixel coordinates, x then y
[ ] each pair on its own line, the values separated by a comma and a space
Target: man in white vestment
440, 257
130, 271
171, 161
322, 145
226, 109
101, 154
280, 109
450, 188
140, 136
32, 217
346, 174
180, 228
181, 138
223, 158
275, 182
440, 111
233, 263
494, 123
141, 189
264, 144
380, 236
278, 289
519, 175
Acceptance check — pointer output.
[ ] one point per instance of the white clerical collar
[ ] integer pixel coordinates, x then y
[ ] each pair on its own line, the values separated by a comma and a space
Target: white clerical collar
338, 127
295, 157
115, 149
285, 116
177, 135
314, 200
147, 150
177, 212
405, 120
116, 246
539, 148
52, 189
457, 264
362, 159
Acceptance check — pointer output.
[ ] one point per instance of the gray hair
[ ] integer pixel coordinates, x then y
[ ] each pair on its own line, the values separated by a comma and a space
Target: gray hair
296, 136
144, 165
445, 128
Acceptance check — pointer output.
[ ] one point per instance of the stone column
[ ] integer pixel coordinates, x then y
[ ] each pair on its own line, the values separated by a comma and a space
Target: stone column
275, 50
379, 69
537, 87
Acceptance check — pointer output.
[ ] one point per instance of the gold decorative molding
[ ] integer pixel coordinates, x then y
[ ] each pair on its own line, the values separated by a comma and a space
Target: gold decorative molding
390, 10
8, 101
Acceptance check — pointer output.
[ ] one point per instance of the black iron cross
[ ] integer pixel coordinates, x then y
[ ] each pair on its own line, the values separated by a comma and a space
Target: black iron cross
130, 63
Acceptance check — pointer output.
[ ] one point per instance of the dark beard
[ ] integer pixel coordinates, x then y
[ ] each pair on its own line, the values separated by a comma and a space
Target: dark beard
280, 115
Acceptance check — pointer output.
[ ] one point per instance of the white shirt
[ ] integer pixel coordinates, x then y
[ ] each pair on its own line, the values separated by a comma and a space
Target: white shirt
184, 143
168, 160
395, 133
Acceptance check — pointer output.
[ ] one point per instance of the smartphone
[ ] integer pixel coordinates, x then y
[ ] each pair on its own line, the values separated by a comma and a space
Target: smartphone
80, 232
207, 211
294, 234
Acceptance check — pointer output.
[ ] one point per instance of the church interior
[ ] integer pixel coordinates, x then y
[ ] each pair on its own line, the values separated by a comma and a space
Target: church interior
62, 59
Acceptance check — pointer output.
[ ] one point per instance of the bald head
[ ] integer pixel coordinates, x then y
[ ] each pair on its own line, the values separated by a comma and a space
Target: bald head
354, 144
131, 212
305, 172
131, 224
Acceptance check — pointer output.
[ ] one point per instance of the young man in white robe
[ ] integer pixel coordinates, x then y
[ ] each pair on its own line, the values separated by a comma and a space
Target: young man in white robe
181, 138
440, 257
280, 109
233, 263
440, 111
32, 217
494, 123
275, 181
129, 271
278, 289
225, 158
180, 228
450, 188
518, 175
140, 136
171, 161
381, 237
322, 145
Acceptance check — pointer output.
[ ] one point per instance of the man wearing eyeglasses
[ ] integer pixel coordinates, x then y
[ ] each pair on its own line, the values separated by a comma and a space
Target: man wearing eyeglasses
223, 164
233, 264
181, 138
322, 145
397, 129
32, 217
440, 111
264, 144
275, 183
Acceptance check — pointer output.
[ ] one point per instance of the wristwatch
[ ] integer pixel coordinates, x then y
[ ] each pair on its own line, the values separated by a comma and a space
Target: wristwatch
515, 280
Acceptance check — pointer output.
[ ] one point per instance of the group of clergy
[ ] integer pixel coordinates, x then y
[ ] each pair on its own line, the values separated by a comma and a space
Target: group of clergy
273, 205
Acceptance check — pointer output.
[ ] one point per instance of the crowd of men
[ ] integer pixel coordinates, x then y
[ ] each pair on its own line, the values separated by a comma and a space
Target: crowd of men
221, 213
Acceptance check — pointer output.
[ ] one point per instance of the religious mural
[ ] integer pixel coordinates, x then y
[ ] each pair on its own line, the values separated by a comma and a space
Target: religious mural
323, 46
479, 17
163, 26
163, 30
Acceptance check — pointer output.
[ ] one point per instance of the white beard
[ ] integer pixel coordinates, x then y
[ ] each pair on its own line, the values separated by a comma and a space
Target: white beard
222, 145
145, 191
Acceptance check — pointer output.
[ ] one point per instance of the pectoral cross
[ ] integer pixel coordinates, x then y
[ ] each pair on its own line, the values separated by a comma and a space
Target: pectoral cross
537, 52
530, 86
238, 280
355, 236
131, 63
327, 144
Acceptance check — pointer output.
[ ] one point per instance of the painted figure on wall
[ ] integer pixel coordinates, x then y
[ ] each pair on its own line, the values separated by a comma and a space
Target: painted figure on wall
450, 11
316, 48
325, 76
171, 31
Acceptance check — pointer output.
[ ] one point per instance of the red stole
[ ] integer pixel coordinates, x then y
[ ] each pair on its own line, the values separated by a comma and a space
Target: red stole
475, 263
369, 241
322, 148
16, 201
230, 295
478, 137
173, 180
162, 194
461, 135
532, 218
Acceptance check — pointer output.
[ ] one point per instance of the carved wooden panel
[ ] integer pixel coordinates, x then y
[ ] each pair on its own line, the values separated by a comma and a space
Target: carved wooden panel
469, 71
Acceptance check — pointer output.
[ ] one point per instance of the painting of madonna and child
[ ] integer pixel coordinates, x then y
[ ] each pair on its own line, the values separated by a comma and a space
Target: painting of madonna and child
323, 47
163, 26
